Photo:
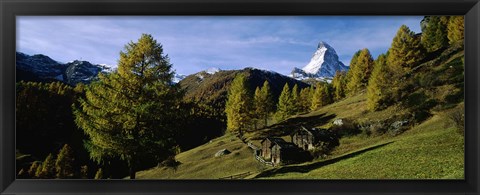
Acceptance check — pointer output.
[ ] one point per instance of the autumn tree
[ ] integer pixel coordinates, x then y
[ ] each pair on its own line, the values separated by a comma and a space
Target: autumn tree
285, 106
48, 167
305, 99
339, 84
33, 168
238, 106
132, 113
378, 86
263, 102
64, 162
455, 29
321, 96
360, 71
406, 51
295, 99
434, 32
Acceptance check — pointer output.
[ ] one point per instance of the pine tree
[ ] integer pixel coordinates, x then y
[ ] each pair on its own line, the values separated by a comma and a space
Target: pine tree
378, 85
434, 32
339, 83
360, 71
48, 167
455, 29
132, 112
239, 105
406, 50
64, 162
285, 107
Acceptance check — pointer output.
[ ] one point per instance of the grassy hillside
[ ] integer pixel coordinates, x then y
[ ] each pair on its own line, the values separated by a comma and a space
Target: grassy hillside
201, 163
430, 146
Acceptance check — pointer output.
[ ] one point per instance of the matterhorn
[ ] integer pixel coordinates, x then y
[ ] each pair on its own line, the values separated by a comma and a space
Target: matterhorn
323, 65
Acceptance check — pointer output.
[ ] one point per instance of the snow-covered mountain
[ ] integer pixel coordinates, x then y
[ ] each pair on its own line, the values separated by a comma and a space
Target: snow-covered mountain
323, 65
42, 68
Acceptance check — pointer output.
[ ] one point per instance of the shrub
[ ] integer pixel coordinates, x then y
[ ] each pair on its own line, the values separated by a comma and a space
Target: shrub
457, 117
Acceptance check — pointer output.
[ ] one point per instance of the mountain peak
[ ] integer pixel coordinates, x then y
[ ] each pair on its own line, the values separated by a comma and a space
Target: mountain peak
323, 64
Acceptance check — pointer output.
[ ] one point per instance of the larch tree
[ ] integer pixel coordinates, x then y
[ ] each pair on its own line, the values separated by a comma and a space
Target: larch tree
264, 102
360, 71
285, 107
64, 162
339, 83
305, 99
48, 167
378, 86
295, 99
132, 113
434, 32
406, 51
238, 106
321, 96
455, 29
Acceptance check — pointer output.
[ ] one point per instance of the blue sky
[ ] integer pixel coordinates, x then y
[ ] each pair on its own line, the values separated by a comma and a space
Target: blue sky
195, 43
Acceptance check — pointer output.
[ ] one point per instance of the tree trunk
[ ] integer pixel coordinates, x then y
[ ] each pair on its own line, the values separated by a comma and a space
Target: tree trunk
132, 172
132, 168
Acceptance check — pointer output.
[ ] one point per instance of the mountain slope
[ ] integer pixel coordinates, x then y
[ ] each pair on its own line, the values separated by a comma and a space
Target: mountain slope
429, 148
212, 89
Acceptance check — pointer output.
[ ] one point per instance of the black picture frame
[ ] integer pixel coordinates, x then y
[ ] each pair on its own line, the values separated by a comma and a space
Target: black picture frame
9, 9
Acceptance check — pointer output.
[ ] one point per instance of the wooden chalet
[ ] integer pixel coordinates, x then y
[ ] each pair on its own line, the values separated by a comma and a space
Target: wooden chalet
277, 150
307, 138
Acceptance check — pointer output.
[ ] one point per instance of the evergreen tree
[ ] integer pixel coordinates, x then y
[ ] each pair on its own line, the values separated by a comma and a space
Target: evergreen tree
238, 106
406, 51
360, 71
339, 84
378, 85
434, 32
455, 29
285, 108
48, 167
64, 162
132, 113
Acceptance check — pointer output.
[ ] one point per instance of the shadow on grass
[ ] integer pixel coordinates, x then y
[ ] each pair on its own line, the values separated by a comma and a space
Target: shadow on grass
290, 125
316, 165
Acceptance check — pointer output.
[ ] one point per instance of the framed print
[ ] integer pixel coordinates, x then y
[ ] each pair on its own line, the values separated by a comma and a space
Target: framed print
235, 97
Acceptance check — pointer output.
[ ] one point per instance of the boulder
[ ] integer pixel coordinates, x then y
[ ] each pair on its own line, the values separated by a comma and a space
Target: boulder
222, 152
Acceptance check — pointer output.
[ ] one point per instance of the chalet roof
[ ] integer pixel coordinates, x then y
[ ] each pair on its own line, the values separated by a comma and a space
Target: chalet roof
280, 142
313, 131
274, 140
